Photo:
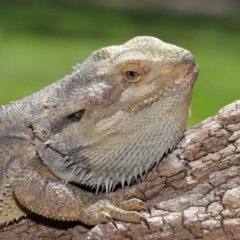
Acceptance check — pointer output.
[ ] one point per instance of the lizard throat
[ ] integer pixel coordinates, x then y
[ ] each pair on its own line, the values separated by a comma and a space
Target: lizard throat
135, 147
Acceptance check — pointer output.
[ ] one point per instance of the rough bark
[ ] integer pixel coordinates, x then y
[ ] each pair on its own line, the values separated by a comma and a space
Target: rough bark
194, 193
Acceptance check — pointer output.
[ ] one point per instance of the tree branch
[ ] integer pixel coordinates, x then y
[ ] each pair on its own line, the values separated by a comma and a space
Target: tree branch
194, 193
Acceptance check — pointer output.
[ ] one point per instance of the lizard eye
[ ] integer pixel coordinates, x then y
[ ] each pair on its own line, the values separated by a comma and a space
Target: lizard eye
132, 76
132, 73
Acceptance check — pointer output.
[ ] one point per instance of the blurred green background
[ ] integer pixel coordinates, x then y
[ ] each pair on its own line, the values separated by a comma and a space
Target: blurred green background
40, 41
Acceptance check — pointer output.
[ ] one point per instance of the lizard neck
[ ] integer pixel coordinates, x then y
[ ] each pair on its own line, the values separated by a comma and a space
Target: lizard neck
20, 111
136, 145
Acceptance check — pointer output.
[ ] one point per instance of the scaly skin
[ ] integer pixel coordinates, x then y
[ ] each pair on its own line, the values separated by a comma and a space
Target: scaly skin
108, 122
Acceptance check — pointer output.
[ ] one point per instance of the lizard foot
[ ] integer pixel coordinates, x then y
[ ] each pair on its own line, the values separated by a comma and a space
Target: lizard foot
45, 195
121, 206
132, 200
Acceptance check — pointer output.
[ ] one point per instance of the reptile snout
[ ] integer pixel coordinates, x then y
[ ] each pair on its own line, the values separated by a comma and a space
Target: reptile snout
188, 59
192, 67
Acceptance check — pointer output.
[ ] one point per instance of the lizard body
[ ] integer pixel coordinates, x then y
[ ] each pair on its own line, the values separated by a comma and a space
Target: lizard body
109, 121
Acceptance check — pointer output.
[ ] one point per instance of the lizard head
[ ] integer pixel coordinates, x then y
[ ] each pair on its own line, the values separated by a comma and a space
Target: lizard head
118, 113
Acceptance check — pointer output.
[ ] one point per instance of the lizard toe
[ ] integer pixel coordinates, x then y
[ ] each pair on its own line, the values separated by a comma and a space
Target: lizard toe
132, 193
127, 216
108, 210
134, 204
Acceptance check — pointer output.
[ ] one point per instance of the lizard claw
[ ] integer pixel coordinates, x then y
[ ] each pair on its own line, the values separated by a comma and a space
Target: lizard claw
133, 204
123, 207
109, 219
133, 193
141, 194
145, 222
145, 207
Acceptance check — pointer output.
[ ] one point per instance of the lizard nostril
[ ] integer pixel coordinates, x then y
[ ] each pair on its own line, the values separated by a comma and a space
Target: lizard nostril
193, 69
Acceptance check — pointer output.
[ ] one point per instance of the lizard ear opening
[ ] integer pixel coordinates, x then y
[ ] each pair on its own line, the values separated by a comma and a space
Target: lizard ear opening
77, 116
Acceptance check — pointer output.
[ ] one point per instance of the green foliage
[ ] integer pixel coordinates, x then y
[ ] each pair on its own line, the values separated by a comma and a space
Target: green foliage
39, 44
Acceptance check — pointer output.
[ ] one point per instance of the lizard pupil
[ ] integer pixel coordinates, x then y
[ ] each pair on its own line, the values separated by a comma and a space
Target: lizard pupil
131, 75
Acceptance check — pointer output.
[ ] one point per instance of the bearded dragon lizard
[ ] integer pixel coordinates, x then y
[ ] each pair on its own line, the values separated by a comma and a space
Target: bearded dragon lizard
106, 124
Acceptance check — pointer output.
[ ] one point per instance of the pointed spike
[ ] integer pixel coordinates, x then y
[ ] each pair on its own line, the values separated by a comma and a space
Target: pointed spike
122, 180
82, 175
110, 184
89, 175
114, 184
140, 172
129, 180
106, 184
78, 171
69, 164
99, 182
74, 169
146, 169
135, 173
